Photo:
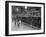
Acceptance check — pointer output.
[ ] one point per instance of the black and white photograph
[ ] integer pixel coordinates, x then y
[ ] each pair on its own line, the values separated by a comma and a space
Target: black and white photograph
25, 18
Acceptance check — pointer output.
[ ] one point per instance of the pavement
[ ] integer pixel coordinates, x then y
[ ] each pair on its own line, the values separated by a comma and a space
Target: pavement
22, 27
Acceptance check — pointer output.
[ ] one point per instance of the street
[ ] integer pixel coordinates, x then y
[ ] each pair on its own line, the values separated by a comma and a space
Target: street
23, 27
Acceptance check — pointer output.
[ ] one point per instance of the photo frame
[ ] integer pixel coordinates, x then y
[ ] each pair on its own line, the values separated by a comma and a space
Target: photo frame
24, 18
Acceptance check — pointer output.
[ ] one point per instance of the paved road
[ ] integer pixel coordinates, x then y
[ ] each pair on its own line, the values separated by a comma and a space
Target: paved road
22, 27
